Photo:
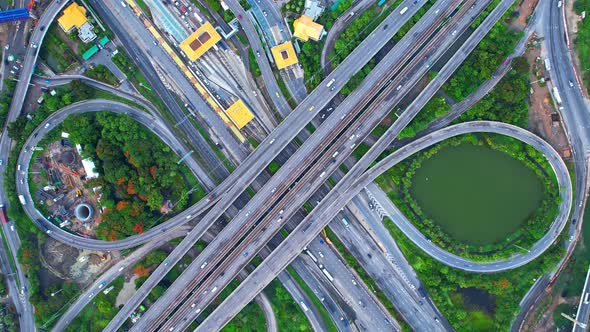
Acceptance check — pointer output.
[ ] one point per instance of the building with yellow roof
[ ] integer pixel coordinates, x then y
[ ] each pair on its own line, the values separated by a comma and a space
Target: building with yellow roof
200, 41
239, 114
284, 55
74, 17
305, 28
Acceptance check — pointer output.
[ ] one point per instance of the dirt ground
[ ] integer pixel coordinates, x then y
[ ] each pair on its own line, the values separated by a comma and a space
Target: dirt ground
525, 9
541, 105
63, 163
545, 322
68, 263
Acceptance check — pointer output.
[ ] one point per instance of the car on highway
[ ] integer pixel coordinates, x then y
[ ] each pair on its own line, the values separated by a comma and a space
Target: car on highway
264, 13
571, 84
47, 125
102, 284
167, 262
12, 228
258, 53
1, 162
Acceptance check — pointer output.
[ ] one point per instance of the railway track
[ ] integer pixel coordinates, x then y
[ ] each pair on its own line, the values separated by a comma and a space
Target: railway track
293, 245
308, 174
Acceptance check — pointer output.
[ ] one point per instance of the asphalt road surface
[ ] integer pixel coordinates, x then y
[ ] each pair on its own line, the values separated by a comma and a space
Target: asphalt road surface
292, 245
275, 142
201, 260
583, 307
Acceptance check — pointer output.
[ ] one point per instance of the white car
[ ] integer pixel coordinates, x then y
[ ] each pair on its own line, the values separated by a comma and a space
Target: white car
47, 125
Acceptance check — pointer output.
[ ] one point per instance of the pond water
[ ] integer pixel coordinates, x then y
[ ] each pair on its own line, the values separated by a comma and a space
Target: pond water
477, 195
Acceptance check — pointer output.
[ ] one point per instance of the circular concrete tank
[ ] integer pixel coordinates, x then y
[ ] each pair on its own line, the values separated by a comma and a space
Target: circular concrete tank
83, 212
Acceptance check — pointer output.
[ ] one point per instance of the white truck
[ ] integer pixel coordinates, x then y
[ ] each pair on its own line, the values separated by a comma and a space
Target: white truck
547, 64
22, 199
556, 95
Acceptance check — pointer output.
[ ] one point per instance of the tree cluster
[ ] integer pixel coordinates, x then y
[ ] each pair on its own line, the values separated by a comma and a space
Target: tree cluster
443, 284
57, 50
482, 62
583, 41
103, 74
531, 231
138, 172
508, 101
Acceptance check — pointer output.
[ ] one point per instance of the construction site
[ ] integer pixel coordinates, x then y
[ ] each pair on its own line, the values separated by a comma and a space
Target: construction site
61, 190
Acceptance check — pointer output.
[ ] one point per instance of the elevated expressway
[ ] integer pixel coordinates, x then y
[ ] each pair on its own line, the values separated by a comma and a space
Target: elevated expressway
266, 152
218, 275
23, 307
276, 141
345, 189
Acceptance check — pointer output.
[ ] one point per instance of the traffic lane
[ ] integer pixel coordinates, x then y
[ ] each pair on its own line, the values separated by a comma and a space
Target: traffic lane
301, 120
412, 232
368, 312
398, 289
293, 244
303, 301
140, 48
372, 223
37, 37
99, 105
111, 274
584, 305
316, 280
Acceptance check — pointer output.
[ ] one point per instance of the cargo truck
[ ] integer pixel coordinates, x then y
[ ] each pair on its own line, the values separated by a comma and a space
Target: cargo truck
556, 95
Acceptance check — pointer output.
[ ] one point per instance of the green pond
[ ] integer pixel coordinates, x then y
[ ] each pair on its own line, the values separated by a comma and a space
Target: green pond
477, 195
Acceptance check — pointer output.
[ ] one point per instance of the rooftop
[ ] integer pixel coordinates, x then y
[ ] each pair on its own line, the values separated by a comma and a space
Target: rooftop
73, 16
239, 114
284, 55
200, 41
305, 28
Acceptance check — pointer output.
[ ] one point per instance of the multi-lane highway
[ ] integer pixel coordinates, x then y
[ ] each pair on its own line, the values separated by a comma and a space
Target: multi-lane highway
279, 138
583, 306
292, 245
347, 17
265, 195
20, 296
289, 176
276, 142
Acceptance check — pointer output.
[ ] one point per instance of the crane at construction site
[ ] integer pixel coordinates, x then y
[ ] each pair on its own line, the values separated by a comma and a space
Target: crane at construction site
63, 168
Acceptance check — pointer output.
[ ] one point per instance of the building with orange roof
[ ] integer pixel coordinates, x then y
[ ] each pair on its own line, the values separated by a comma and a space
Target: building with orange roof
284, 55
200, 41
74, 17
305, 28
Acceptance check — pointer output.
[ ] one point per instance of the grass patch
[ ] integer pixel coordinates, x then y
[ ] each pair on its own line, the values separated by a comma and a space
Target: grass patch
330, 326
103, 74
288, 314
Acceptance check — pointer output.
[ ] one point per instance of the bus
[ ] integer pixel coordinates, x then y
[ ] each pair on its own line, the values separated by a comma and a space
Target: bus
328, 274
3, 214
305, 308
